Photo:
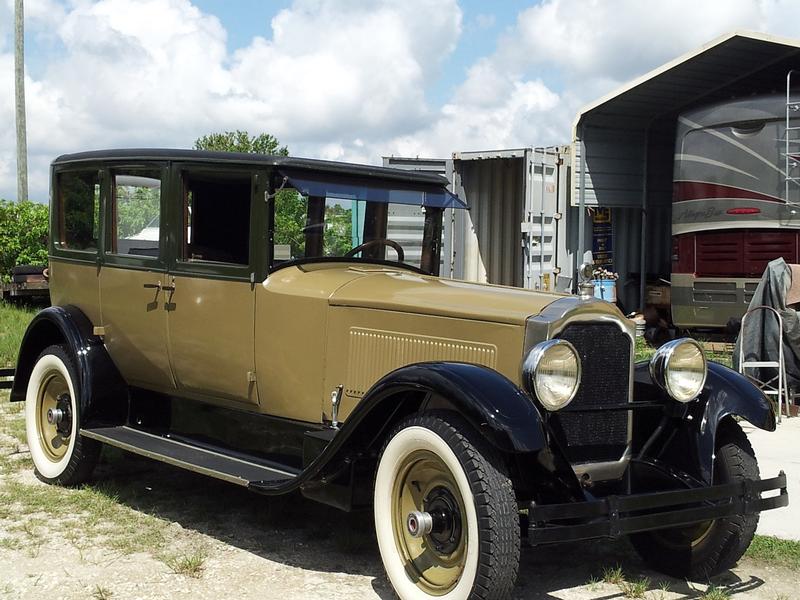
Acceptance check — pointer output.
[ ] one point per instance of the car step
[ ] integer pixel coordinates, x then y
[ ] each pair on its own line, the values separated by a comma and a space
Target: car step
214, 463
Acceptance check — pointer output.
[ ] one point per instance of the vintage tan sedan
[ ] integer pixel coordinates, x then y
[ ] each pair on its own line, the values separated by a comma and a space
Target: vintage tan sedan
278, 323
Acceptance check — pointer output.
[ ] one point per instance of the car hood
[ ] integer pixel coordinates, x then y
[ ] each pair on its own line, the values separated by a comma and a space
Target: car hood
403, 291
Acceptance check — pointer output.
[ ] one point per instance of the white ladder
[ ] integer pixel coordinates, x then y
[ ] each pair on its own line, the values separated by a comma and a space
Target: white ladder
792, 160
775, 386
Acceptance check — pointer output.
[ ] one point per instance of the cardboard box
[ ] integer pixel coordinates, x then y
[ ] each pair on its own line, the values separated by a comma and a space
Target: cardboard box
657, 295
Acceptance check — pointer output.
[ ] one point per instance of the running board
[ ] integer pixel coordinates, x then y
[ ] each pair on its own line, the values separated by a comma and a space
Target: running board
214, 463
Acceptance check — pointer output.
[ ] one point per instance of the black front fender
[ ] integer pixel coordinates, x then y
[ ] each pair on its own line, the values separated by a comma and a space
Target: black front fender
496, 408
102, 392
726, 393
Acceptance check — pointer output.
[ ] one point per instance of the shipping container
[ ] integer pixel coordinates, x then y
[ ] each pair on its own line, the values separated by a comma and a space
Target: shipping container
520, 229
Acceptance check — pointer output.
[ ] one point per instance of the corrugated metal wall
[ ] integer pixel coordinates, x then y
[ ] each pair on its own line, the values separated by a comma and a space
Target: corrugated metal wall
406, 223
614, 167
520, 229
494, 188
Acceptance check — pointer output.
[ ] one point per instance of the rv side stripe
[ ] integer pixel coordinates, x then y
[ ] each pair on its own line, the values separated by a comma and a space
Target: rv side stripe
701, 190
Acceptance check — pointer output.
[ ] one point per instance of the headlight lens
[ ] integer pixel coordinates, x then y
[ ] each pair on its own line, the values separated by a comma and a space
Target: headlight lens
553, 372
679, 367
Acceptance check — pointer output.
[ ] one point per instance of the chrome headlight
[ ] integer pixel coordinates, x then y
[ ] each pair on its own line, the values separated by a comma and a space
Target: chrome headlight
553, 373
679, 368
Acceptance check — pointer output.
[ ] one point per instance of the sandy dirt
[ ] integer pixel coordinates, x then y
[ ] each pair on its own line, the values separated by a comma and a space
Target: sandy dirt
289, 547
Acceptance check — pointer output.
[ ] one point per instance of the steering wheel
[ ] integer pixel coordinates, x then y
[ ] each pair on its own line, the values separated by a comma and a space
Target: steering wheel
401, 255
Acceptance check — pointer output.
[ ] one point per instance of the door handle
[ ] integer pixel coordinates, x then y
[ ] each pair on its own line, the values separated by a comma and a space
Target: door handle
168, 288
153, 286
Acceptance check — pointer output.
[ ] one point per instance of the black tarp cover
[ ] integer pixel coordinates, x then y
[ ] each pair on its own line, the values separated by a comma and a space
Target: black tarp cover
759, 335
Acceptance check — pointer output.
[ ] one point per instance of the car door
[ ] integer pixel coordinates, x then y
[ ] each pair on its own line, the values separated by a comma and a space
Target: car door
211, 302
134, 274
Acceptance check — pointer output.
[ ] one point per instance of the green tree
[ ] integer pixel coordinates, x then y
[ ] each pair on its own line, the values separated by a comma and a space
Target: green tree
23, 235
137, 207
241, 141
338, 229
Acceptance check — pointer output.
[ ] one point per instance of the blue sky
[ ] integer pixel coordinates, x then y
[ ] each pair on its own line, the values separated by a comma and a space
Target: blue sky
347, 80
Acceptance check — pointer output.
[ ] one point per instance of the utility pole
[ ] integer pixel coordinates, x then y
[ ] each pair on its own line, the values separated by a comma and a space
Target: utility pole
19, 88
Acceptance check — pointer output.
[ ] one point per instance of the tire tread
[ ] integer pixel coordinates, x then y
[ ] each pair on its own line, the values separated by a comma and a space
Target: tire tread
495, 502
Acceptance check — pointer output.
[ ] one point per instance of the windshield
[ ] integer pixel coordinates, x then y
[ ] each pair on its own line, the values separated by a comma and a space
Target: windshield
308, 227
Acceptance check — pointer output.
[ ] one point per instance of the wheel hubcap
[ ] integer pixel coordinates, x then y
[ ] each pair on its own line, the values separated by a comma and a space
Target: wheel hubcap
54, 424
427, 520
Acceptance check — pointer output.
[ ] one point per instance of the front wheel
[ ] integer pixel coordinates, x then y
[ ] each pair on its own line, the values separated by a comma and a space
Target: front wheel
52, 421
699, 551
446, 517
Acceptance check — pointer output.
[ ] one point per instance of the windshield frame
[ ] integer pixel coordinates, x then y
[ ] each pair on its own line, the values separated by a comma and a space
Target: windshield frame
432, 242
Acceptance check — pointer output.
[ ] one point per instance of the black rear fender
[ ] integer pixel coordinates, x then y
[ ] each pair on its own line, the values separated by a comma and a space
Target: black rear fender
102, 392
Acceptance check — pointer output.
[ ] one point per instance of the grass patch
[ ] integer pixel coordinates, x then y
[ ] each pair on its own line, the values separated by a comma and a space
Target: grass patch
13, 323
84, 512
101, 593
614, 575
715, 593
643, 351
775, 551
635, 589
188, 564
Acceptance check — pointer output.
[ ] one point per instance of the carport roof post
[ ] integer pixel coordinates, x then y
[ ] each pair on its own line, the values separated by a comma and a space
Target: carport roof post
624, 141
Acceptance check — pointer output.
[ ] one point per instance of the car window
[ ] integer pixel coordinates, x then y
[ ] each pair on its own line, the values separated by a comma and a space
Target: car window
136, 209
216, 218
77, 210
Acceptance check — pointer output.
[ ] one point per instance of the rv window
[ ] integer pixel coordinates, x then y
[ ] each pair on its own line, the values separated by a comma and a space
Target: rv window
216, 223
77, 210
136, 210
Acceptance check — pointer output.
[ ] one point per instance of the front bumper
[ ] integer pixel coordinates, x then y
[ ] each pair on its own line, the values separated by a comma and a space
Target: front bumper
615, 516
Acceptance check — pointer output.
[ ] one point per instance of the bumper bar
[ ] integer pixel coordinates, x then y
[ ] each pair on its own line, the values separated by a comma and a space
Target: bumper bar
615, 516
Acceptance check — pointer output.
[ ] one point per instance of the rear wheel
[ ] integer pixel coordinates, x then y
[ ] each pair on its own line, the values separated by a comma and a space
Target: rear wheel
446, 517
700, 551
52, 421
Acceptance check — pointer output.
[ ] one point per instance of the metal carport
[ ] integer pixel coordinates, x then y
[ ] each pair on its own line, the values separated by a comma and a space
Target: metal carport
628, 139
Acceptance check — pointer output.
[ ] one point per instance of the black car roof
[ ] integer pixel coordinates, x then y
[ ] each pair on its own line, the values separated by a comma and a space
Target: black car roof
205, 156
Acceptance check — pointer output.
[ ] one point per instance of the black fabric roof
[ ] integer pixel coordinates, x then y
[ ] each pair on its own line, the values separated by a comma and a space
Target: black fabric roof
231, 158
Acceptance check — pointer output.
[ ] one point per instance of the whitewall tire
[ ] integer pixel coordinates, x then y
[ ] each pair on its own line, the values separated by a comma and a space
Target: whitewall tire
436, 469
52, 421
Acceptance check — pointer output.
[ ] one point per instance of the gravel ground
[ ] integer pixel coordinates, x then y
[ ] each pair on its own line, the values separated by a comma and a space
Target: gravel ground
145, 530
257, 547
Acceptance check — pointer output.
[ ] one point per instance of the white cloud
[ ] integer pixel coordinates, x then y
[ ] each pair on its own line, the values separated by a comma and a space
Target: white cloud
584, 48
341, 79
330, 75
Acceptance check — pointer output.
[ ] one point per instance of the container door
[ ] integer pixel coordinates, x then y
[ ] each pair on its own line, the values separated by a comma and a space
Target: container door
131, 282
541, 219
211, 300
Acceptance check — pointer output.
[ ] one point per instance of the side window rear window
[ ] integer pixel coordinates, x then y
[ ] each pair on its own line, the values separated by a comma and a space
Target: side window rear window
216, 223
136, 212
78, 210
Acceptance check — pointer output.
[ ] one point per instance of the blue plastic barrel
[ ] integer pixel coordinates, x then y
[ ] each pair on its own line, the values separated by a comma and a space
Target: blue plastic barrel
605, 289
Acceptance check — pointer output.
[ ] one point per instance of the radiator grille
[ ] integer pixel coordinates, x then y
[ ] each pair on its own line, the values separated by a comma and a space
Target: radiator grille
605, 353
